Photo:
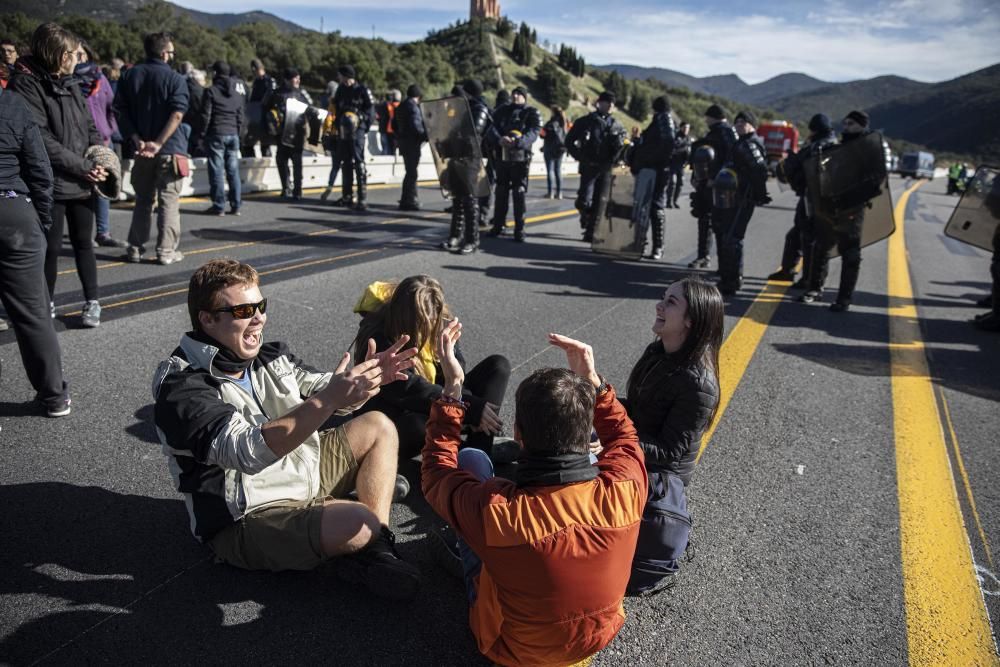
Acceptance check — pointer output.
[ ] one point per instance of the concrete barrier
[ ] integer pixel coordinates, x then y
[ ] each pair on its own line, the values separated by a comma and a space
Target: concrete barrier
260, 174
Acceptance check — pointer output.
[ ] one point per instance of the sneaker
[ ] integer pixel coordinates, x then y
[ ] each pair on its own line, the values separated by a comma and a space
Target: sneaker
326, 193
782, 276
811, 295
446, 553
451, 244
380, 569
108, 241
172, 258
60, 408
91, 316
519, 237
468, 249
666, 583
212, 210
558, 195
840, 306
498, 232
133, 255
548, 195
344, 202
361, 206
656, 253
699, 263
401, 490
504, 451
234, 211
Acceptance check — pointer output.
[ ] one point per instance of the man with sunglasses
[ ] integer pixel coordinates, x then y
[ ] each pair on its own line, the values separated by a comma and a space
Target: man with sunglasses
240, 422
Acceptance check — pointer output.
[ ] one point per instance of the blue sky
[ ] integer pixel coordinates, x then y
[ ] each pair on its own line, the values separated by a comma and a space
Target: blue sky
838, 40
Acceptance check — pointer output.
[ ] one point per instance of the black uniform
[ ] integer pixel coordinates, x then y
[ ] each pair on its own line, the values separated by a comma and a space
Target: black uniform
653, 151
679, 158
411, 135
522, 123
274, 117
354, 108
721, 137
256, 127
595, 141
799, 239
463, 234
845, 233
730, 216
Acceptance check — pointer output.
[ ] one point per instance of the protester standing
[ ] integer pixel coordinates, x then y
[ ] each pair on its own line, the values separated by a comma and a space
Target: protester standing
222, 118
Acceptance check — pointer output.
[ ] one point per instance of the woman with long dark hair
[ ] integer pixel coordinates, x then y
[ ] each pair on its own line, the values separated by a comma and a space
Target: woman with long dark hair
45, 80
553, 149
416, 307
673, 394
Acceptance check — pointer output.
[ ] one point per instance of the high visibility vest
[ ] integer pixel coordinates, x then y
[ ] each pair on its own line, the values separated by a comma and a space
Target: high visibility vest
390, 109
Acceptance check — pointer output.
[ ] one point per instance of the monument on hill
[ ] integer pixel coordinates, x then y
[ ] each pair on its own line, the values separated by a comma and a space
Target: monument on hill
484, 9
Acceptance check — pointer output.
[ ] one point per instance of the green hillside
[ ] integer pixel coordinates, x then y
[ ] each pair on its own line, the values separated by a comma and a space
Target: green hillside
837, 100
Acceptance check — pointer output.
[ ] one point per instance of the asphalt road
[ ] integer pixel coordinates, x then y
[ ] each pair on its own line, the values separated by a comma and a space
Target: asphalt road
805, 523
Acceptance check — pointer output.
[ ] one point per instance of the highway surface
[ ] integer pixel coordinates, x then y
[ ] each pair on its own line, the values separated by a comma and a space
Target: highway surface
845, 503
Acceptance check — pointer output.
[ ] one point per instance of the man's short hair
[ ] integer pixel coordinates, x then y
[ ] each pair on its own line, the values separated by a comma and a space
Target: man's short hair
554, 412
156, 43
210, 279
49, 42
4, 42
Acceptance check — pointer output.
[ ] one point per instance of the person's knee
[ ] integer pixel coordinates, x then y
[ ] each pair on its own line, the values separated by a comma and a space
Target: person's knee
347, 527
497, 364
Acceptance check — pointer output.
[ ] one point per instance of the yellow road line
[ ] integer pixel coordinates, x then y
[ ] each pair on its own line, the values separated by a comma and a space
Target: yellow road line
946, 619
738, 349
965, 477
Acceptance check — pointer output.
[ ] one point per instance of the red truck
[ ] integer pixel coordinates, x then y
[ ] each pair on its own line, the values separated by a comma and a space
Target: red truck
780, 138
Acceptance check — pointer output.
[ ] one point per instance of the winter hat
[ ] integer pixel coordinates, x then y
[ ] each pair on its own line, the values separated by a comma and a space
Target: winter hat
414, 91
716, 112
290, 73
607, 96
661, 104
859, 117
520, 90
346, 70
473, 87
220, 68
747, 116
820, 123
102, 156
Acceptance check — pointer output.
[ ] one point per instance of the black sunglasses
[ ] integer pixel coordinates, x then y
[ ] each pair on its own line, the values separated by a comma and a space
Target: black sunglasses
244, 311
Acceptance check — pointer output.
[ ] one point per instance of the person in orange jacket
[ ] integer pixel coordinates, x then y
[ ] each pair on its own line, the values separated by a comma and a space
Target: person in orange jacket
547, 556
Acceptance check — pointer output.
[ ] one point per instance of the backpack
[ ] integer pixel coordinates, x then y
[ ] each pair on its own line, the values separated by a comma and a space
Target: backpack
555, 137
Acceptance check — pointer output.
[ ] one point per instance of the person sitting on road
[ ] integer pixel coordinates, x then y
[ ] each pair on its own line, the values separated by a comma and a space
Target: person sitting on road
547, 554
239, 420
673, 393
416, 308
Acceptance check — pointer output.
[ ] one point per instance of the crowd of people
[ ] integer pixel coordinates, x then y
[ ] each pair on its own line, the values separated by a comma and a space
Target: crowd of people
286, 467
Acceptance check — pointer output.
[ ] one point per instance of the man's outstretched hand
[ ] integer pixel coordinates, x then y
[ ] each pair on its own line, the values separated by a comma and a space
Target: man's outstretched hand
454, 376
579, 356
354, 387
391, 360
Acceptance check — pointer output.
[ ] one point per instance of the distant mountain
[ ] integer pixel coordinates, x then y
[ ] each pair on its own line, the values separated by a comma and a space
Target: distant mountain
123, 10
783, 85
837, 99
725, 85
957, 116
667, 76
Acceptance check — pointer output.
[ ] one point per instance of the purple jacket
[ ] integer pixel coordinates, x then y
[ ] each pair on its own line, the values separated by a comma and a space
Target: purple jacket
99, 102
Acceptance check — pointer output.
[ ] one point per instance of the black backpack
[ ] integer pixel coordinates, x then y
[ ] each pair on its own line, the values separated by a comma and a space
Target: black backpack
555, 137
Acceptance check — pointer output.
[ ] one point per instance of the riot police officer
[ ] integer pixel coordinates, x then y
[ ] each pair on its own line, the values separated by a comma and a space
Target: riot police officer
290, 145
799, 239
708, 154
354, 108
844, 232
463, 235
595, 141
653, 151
515, 129
738, 187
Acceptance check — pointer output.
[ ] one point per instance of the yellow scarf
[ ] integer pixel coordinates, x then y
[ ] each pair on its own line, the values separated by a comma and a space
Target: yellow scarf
374, 297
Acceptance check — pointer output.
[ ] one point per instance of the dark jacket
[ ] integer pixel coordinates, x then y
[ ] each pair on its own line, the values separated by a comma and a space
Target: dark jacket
682, 151
356, 99
656, 145
262, 87
147, 94
670, 406
521, 122
60, 110
222, 108
553, 139
596, 139
24, 164
410, 123
274, 112
721, 137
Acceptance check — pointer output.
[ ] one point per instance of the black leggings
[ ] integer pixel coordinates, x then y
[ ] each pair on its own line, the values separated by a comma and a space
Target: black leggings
79, 214
487, 380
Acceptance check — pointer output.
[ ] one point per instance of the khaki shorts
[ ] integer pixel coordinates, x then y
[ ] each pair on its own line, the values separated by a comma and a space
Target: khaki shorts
286, 536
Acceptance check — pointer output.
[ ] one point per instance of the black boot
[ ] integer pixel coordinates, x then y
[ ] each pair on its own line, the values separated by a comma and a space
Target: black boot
362, 182
471, 214
454, 241
659, 220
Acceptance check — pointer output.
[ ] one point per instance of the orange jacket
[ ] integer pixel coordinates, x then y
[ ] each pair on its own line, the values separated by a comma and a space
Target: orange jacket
556, 559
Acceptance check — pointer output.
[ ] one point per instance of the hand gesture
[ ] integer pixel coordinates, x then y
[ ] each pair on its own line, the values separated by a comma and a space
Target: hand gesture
96, 174
454, 376
579, 356
352, 388
391, 361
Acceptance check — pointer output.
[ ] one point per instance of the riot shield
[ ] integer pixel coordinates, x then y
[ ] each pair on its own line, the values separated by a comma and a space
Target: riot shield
850, 178
300, 117
456, 147
977, 215
622, 225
